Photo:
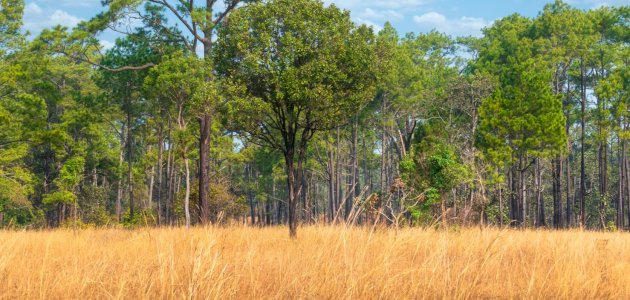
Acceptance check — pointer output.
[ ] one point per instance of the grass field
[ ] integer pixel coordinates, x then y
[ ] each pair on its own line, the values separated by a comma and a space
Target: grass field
323, 263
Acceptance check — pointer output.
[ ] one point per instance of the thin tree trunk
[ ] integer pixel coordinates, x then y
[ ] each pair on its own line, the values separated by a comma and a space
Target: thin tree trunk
366, 171
620, 190
187, 195
558, 220
151, 184
204, 167
500, 206
130, 163
119, 192
582, 163
250, 194
205, 127
160, 174
626, 172
540, 220
569, 214
169, 181
338, 175
383, 146
331, 185
356, 188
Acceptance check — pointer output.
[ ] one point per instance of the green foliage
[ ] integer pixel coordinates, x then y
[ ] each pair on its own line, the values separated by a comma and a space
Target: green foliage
284, 78
306, 68
10, 23
432, 169
522, 117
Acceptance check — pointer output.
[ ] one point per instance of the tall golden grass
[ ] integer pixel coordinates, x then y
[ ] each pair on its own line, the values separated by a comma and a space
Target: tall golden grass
323, 263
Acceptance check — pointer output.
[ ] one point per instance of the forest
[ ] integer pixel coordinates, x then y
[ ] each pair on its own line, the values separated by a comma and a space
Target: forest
286, 112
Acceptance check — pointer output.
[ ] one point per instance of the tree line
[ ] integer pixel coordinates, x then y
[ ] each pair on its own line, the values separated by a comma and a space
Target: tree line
287, 112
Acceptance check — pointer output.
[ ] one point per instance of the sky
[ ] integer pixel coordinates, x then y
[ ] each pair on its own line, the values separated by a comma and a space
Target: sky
454, 17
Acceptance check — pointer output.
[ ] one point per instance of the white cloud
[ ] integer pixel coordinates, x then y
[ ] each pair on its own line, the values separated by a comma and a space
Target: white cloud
73, 3
390, 4
374, 26
385, 15
376, 12
60, 17
106, 44
459, 27
431, 18
32, 9
36, 19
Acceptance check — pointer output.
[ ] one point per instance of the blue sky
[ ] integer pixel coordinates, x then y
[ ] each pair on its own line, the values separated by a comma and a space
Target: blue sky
454, 17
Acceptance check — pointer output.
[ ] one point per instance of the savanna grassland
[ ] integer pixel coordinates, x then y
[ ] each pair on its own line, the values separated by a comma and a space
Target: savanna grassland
322, 263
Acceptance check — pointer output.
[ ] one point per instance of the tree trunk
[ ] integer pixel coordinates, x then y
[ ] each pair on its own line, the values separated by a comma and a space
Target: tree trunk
169, 181
160, 174
130, 163
356, 185
513, 195
500, 206
602, 176
338, 176
540, 215
204, 167
621, 189
443, 197
383, 145
558, 220
187, 195
626, 174
366, 172
567, 127
250, 194
205, 128
293, 193
151, 184
582, 163
522, 205
119, 192
331, 186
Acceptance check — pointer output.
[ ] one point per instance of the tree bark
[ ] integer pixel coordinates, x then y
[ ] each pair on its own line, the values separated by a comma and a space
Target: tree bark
204, 167
383, 145
187, 195
558, 220
620, 190
331, 185
160, 174
250, 194
119, 192
582, 163
540, 215
293, 177
129, 162
626, 174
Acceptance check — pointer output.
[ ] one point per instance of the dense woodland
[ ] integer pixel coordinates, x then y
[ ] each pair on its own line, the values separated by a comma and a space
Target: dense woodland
287, 112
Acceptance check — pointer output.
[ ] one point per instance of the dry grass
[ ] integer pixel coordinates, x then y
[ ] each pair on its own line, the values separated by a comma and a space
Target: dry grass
324, 263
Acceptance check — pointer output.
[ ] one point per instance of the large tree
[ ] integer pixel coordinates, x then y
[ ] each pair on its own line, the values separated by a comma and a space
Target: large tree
522, 121
300, 67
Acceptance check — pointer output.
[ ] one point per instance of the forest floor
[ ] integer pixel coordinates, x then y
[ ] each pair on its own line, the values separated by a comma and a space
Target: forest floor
323, 263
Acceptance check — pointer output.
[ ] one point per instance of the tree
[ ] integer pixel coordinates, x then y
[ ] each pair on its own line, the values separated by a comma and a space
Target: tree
126, 86
432, 169
522, 120
299, 67
200, 23
178, 78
